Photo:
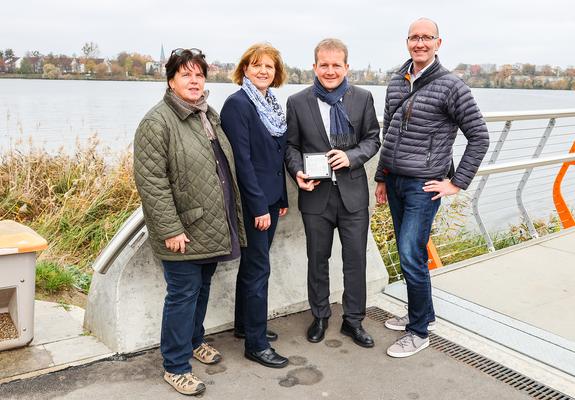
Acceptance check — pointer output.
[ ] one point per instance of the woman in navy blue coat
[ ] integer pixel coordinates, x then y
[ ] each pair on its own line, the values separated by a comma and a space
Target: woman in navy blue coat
255, 125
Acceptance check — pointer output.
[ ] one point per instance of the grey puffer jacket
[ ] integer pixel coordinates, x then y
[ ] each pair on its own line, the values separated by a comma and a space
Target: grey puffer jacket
419, 136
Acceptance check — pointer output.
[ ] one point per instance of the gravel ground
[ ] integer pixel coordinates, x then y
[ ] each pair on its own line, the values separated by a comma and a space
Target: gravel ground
7, 328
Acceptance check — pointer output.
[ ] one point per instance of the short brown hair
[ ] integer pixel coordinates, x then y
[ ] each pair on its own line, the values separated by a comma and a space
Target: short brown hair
185, 58
330, 44
254, 54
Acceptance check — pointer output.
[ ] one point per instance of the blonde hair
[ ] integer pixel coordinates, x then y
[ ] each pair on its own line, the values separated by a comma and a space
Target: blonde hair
331, 44
252, 55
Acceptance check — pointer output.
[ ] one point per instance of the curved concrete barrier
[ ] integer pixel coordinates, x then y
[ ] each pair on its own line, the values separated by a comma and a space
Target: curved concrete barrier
125, 303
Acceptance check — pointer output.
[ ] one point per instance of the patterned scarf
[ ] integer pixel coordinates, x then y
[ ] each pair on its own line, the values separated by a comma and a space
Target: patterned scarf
341, 134
199, 107
269, 110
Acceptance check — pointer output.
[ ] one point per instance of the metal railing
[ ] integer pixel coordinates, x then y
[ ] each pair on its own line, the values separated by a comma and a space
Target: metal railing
528, 150
520, 151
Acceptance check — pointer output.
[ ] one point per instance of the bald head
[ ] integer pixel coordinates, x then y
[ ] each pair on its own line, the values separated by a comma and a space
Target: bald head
423, 20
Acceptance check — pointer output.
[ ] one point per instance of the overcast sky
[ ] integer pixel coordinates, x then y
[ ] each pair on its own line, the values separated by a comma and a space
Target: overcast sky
480, 31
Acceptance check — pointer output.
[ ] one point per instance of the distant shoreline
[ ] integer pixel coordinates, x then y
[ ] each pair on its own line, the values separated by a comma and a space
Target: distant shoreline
152, 79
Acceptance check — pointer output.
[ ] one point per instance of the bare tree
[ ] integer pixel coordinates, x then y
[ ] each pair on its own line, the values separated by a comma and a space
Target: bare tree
90, 50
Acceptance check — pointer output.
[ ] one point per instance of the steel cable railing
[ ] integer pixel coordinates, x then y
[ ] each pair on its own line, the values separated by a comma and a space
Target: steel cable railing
512, 198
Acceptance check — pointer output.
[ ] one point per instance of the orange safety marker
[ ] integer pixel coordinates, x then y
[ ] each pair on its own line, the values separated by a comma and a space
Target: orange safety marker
434, 260
560, 205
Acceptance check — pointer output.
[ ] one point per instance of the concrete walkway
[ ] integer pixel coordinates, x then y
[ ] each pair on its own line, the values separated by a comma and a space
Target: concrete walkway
333, 369
59, 342
503, 306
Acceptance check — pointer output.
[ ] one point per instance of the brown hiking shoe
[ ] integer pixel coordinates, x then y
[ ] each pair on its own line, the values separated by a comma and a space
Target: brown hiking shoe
207, 354
187, 383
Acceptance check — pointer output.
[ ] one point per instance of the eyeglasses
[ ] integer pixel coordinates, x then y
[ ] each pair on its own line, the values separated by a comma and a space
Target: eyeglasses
195, 52
424, 38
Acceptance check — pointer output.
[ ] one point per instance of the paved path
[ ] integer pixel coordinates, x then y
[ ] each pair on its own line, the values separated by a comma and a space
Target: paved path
333, 369
534, 284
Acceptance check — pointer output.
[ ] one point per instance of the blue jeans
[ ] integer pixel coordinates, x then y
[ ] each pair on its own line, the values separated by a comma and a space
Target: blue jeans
188, 289
413, 211
251, 311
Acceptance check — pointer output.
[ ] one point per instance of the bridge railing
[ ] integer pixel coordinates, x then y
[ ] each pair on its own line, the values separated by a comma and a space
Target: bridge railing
523, 189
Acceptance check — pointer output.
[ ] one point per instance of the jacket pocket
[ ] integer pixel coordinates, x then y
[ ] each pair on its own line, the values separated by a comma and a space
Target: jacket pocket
190, 216
356, 173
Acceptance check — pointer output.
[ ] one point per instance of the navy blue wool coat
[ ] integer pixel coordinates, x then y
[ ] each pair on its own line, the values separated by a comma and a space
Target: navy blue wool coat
259, 156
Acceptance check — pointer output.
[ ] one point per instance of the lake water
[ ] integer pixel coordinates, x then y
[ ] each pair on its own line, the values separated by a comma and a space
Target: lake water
58, 113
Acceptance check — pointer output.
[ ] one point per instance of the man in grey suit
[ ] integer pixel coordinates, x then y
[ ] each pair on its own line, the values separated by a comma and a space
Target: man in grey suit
339, 120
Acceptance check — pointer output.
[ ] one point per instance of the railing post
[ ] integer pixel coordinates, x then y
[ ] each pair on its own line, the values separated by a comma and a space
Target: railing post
483, 182
525, 177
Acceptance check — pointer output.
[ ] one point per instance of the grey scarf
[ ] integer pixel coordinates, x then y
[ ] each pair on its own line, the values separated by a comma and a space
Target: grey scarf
199, 107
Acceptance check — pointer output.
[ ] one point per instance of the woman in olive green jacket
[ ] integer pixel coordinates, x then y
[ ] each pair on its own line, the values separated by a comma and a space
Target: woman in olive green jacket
184, 172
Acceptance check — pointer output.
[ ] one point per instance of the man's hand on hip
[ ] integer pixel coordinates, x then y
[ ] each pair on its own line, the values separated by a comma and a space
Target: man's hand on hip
304, 182
443, 188
337, 159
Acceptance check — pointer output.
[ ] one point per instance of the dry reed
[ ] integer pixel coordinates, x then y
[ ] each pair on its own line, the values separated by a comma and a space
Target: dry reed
76, 201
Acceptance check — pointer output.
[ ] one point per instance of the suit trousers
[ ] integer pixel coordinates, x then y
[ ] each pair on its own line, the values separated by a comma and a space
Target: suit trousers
251, 311
352, 229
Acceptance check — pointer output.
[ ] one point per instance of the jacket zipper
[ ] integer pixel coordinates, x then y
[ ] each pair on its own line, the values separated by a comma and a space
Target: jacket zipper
428, 158
403, 127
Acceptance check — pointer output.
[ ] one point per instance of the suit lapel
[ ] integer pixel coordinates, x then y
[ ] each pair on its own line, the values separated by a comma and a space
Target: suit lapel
316, 116
348, 102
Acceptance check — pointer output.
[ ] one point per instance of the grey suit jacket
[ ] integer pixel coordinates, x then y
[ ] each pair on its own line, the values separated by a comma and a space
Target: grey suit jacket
306, 134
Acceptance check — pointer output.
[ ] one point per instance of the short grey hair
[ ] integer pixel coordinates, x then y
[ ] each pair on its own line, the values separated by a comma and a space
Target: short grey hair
331, 44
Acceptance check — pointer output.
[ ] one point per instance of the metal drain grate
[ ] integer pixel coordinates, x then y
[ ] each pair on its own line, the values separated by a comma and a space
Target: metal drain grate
506, 375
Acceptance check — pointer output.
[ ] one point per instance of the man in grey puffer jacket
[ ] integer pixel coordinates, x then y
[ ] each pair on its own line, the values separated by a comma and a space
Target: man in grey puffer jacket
424, 108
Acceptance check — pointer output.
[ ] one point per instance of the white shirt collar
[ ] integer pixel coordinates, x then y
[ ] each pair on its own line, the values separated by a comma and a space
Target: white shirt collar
412, 77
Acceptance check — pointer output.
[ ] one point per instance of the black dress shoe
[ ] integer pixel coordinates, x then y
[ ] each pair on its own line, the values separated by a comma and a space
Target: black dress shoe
359, 335
267, 358
271, 336
316, 331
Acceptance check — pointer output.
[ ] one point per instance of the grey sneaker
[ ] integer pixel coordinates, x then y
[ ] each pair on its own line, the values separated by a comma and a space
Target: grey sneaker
407, 345
399, 323
187, 383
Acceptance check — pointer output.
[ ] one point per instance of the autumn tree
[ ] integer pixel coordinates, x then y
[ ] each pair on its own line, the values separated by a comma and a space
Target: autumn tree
134, 64
528, 69
51, 71
117, 70
26, 66
101, 70
90, 67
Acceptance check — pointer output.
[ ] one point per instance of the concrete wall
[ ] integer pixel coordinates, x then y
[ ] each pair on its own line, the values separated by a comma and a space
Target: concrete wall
125, 305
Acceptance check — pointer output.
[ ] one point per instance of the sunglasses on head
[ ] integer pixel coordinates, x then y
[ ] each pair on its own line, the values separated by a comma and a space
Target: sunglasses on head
195, 52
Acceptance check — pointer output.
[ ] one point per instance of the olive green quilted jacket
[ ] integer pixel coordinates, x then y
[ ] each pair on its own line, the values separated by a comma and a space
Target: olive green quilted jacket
175, 174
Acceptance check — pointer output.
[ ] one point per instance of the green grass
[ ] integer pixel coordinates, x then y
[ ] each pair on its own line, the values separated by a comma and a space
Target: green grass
51, 278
